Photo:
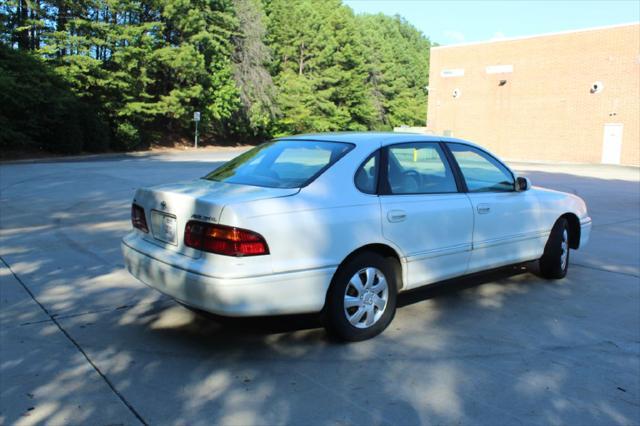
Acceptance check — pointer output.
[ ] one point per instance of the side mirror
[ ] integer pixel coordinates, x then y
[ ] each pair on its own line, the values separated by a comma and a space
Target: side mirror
522, 184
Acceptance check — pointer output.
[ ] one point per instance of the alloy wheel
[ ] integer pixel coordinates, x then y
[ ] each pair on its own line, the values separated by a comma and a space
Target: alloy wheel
565, 249
366, 297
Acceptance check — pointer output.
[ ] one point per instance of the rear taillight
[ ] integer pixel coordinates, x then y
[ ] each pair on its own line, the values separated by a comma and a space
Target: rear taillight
225, 240
137, 218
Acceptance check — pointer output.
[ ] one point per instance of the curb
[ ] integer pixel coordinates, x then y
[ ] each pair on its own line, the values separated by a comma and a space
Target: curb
116, 155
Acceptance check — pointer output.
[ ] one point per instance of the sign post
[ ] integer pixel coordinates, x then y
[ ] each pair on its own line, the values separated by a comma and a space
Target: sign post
196, 118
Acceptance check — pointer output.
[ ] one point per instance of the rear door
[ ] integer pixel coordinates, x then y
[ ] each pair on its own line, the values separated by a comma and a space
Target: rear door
507, 222
424, 213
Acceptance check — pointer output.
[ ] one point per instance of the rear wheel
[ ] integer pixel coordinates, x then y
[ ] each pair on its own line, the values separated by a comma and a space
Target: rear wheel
554, 263
361, 301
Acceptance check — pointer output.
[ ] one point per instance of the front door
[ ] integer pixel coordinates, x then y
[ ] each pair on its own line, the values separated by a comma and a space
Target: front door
424, 214
506, 228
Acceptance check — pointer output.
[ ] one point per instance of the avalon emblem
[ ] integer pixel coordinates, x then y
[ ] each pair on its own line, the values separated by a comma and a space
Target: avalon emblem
163, 205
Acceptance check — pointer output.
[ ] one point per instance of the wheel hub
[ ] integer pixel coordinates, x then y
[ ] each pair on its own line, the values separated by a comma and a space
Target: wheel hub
365, 297
368, 298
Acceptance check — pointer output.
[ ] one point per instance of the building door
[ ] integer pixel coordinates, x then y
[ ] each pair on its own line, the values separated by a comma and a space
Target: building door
612, 143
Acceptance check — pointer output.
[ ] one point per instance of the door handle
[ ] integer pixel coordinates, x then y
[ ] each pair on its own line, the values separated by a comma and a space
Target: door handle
396, 216
483, 208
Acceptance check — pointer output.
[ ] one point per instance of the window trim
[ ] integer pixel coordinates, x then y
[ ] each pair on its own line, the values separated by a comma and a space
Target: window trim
384, 188
464, 181
461, 183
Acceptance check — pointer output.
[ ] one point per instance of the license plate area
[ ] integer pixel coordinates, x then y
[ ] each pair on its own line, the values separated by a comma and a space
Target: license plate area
164, 227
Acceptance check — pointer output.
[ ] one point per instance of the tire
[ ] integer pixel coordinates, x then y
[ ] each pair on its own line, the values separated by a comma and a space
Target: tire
368, 285
554, 263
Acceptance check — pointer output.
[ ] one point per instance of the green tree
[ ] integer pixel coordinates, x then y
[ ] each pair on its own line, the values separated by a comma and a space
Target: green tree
320, 72
398, 69
40, 112
251, 60
134, 71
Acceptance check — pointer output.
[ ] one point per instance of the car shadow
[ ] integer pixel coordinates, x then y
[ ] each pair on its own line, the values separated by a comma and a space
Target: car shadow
456, 285
265, 325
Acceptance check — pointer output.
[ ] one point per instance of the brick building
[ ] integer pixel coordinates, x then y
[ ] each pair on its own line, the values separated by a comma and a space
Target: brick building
572, 96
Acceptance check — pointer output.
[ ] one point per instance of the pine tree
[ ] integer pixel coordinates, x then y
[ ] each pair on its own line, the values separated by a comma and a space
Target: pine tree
129, 73
251, 60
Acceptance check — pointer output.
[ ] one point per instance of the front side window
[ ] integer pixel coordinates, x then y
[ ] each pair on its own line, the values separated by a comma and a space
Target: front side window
481, 172
419, 168
281, 163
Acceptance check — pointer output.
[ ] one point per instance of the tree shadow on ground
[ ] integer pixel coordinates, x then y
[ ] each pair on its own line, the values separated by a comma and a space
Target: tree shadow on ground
290, 323
503, 347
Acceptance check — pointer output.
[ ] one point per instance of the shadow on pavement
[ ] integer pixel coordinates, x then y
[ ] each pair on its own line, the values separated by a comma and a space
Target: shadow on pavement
502, 347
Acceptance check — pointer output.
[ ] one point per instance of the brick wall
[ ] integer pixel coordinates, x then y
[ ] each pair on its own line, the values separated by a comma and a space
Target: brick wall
545, 110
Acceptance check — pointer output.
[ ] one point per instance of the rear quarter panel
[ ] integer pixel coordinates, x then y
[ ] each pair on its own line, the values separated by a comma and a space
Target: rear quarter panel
319, 226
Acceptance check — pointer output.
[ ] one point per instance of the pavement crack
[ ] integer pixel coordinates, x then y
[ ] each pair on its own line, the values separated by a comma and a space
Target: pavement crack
77, 346
635, 404
35, 322
80, 314
619, 222
595, 268
80, 248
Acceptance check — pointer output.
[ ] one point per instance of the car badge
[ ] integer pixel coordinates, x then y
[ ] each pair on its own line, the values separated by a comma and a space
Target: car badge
163, 205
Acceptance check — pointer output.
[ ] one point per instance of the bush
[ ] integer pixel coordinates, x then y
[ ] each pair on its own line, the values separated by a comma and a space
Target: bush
96, 132
39, 112
19, 101
127, 137
65, 136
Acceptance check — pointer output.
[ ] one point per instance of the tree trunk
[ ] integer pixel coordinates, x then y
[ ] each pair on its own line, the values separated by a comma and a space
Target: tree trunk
38, 31
301, 61
23, 16
61, 25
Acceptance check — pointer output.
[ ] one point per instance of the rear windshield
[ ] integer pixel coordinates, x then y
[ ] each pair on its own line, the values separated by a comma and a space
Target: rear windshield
281, 164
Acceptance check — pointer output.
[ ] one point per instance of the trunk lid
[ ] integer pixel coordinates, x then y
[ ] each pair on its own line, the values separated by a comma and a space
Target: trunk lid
168, 208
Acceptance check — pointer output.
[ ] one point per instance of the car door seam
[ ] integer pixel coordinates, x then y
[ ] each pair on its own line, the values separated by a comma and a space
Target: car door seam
443, 251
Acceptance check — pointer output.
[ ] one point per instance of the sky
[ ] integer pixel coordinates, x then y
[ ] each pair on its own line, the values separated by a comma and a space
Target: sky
463, 21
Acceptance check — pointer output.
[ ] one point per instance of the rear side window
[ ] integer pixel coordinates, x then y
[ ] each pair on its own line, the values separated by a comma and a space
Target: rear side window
482, 172
419, 168
366, 178
281, 164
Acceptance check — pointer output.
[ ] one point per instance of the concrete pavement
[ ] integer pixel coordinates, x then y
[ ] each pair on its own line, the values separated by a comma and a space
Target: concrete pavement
82, 342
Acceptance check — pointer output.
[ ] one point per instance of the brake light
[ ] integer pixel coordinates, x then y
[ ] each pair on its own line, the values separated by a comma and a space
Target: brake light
138, 220
225, 240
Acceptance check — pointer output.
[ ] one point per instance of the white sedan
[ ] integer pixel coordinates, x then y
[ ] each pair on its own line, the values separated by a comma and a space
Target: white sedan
340, 223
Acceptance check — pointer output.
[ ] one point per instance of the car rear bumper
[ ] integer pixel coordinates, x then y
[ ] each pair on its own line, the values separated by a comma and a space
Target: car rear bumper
275, 294
585, 231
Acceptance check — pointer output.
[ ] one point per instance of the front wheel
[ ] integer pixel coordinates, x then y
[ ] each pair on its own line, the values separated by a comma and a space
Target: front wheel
361, 301
554, 263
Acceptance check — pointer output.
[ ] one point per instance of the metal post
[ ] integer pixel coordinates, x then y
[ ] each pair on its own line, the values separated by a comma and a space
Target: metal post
196, 118
196, 134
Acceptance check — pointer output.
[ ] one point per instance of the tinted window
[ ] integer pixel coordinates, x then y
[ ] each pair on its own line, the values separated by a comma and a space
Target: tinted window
366, 178
281, 164
419, 168
481, 172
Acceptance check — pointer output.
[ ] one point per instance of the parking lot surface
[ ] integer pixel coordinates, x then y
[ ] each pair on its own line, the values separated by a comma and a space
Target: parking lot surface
82, 342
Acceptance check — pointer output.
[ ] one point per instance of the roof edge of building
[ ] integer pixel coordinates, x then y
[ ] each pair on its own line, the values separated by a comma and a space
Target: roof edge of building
604, 27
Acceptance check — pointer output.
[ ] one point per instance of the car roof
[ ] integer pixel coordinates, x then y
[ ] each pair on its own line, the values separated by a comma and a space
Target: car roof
372, 138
